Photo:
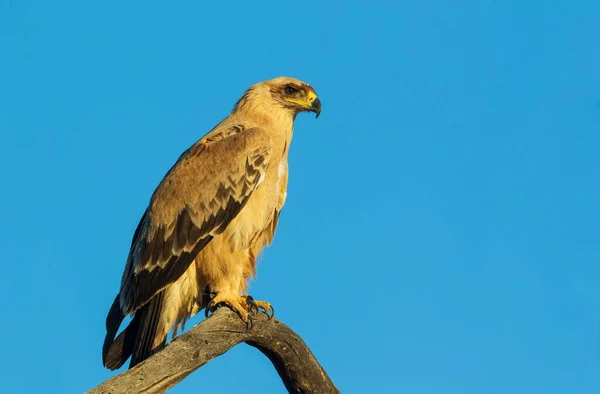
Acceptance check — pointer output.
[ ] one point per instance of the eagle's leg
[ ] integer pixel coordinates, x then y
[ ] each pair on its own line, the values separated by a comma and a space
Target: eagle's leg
242, 305
235, 303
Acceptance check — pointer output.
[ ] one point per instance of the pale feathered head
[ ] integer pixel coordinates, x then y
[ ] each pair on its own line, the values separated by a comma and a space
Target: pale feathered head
289, 93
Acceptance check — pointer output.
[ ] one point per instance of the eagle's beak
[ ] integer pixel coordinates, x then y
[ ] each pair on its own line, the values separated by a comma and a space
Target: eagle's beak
315, 107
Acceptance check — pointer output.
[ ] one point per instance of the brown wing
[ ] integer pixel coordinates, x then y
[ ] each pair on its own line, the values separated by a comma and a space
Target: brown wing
208, 186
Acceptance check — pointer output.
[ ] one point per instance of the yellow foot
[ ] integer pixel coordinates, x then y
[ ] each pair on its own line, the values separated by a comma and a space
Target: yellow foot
235, 303
242, 305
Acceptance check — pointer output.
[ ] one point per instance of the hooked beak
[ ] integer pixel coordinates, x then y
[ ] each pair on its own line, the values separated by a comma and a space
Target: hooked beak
315, 107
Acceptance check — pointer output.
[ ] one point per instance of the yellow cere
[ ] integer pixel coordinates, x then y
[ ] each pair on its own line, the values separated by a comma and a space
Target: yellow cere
310, 97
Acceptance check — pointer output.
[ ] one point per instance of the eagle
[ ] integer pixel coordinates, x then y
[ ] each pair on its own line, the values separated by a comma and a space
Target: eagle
196, 245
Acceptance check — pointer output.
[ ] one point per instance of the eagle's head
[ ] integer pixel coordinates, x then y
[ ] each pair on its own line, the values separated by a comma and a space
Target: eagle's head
294, 94
290, 93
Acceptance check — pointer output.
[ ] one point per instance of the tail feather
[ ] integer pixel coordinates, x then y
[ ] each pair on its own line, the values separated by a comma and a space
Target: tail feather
121, 348
147, 330
113, 322
137, 340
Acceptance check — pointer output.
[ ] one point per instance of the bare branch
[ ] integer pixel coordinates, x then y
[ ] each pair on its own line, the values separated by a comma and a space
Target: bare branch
295, 363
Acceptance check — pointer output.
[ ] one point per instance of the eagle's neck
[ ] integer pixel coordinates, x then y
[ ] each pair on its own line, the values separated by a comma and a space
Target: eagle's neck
261, 108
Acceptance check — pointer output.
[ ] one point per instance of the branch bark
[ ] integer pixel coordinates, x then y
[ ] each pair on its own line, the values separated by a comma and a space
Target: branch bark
297, 366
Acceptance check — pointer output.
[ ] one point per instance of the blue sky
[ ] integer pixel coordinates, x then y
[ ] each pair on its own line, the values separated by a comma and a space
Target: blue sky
441, 228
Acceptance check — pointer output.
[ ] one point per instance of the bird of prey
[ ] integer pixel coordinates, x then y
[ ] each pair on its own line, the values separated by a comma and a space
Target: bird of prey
195, 246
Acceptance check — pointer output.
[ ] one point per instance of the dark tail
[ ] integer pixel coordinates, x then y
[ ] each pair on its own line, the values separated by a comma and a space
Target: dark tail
149, 317
137, 339
112, 349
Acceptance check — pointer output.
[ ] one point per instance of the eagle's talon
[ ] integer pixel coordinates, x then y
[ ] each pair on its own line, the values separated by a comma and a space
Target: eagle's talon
251, 304
249, 323
245, 306
208, 309
264, 307
270, 312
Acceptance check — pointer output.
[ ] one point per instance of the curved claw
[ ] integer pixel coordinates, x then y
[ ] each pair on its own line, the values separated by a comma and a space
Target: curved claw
249, 323
208, 309
265, 307
271, 314
252, 307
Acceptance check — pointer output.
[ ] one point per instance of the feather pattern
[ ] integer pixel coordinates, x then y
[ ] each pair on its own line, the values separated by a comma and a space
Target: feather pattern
166, 245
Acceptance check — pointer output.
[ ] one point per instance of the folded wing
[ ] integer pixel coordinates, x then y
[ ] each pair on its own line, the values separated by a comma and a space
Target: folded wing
198, 198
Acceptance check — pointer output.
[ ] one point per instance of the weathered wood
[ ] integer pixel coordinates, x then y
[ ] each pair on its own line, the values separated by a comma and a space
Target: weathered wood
298, 368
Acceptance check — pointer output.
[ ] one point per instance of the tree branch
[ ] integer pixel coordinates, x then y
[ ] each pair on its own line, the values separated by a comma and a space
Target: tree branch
297, 366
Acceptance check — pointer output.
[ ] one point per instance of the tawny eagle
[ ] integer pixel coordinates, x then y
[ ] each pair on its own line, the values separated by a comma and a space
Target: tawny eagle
196, 245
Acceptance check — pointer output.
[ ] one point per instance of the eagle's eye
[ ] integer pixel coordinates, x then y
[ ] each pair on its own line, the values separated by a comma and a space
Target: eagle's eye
291, 90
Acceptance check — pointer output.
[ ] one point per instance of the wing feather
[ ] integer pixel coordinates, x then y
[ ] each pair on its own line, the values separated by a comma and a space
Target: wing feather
198, 198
